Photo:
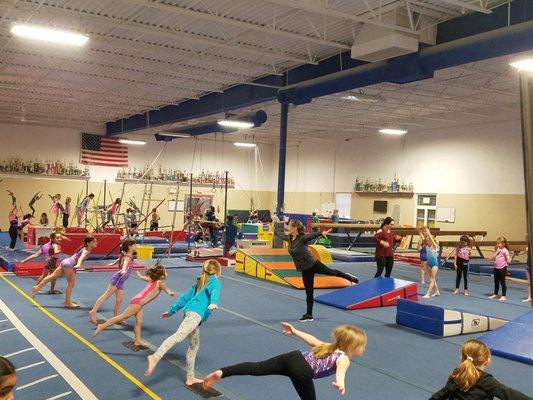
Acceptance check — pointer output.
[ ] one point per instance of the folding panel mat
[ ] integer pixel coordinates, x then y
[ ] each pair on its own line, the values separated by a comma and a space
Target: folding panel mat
377, 292
276, 265
442, 321
514, 340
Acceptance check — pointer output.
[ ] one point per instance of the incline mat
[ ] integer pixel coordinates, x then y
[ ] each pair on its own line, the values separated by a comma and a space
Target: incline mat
377, 292
514, 340
276, 265
441, 321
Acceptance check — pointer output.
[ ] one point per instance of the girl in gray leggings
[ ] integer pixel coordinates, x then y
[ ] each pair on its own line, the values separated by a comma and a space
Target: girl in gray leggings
197, 303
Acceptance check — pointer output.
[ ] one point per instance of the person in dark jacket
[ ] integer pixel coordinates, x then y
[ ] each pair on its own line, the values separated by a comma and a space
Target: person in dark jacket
230, 236
384, 239
469, 381
307, 264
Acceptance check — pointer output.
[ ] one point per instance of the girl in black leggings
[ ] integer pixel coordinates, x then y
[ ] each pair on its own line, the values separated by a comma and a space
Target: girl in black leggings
324, 359
307, 264
502, 259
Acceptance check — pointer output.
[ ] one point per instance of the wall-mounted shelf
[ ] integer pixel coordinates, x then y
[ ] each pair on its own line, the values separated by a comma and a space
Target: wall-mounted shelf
171, 183
44, 176
392, 194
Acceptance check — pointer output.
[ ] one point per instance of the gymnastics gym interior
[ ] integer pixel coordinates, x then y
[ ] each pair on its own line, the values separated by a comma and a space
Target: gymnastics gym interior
334, 113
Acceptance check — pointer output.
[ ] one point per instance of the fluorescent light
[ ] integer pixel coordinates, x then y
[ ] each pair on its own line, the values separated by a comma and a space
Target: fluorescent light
132, 141
240, 144
49, 35
523, 65
174, 134
391, 131
232, 123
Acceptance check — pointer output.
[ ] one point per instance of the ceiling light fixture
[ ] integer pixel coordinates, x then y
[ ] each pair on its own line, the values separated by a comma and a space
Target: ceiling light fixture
232, 123
174, 134
241, 144
523, 65
49, 35
133, 142
393, 131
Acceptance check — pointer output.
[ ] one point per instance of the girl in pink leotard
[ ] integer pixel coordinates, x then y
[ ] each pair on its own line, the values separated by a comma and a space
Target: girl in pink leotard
155, 278
56, 207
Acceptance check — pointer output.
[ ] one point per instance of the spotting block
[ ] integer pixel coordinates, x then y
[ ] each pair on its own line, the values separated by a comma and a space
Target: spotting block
377, 292
29, 268
441, 321
514, 340
107, 243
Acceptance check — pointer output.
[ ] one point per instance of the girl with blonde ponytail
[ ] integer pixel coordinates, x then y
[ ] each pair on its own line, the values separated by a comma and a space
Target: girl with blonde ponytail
323, 359
469, 381
197, 303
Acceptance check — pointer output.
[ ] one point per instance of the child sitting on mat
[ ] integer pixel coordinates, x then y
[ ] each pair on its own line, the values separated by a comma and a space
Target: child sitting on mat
155, 284
462, 261
469, 381
8, 379
323, 359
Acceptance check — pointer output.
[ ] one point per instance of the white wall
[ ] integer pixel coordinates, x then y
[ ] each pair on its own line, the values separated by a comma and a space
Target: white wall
472, 159
29, 142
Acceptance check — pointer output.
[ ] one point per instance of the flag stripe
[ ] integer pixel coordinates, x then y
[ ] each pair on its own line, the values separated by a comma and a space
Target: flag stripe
103, 151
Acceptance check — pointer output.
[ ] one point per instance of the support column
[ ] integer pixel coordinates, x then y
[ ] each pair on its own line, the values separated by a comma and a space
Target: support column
526, 97
283, 128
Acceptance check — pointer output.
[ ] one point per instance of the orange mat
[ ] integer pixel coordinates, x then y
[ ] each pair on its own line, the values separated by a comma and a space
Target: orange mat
320, 282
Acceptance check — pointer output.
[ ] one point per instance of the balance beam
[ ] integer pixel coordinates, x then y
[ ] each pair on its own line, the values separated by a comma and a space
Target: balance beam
516, 246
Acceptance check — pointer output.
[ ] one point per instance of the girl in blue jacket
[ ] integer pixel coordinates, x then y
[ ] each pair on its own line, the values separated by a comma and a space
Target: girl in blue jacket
197, 303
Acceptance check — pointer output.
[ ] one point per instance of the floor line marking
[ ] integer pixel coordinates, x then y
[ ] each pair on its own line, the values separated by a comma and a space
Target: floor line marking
30, 366
69, 376
8, 330
18, 352
59, 396
36, 382
4, 320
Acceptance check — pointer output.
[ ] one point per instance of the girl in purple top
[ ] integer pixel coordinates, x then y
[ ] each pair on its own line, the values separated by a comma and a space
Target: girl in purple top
324, 359
462, 262
68, 268
501, 258
117, 281
50, 251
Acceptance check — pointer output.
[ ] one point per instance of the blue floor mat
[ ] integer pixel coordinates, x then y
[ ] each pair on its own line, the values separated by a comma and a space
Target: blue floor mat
514, 340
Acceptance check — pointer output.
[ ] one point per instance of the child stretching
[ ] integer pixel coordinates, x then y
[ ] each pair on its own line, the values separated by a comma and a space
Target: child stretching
324, 359
197, 304
469, 381
462, 261
117, 281
51, 251
68, 268
155, 284
8, 379
111, 211
433, 265
501, 258
421, 247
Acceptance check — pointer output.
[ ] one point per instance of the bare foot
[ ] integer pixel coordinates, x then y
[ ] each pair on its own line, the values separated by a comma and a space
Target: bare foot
92, 317
141, 344
493, 296
456, 291
503, 298
528, 300
34, 291
426, 296
98, 330
152, 362
71, 305
212, 378
193, 381
466, 293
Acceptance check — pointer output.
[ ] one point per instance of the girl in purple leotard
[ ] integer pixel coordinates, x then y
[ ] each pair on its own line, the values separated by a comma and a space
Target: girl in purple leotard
117, 281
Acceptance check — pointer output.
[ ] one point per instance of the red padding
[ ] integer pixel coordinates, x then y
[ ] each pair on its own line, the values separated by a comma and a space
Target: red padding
107, 242
76, 230
29, 268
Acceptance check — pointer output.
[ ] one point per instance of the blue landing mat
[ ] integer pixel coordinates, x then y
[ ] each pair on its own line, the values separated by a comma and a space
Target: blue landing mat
350, 256
5, 240
514, 340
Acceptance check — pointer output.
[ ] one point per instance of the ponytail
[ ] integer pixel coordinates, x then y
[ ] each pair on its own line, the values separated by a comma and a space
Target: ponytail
210, 267
474, 355
348, 338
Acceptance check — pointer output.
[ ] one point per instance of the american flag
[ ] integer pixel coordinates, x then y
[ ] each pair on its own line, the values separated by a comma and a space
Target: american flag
100, 150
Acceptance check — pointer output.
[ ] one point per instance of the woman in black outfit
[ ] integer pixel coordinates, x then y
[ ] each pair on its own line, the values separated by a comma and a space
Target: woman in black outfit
211, 217
307, 264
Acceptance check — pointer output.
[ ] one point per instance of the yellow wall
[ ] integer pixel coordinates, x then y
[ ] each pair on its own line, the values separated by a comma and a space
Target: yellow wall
25, 188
